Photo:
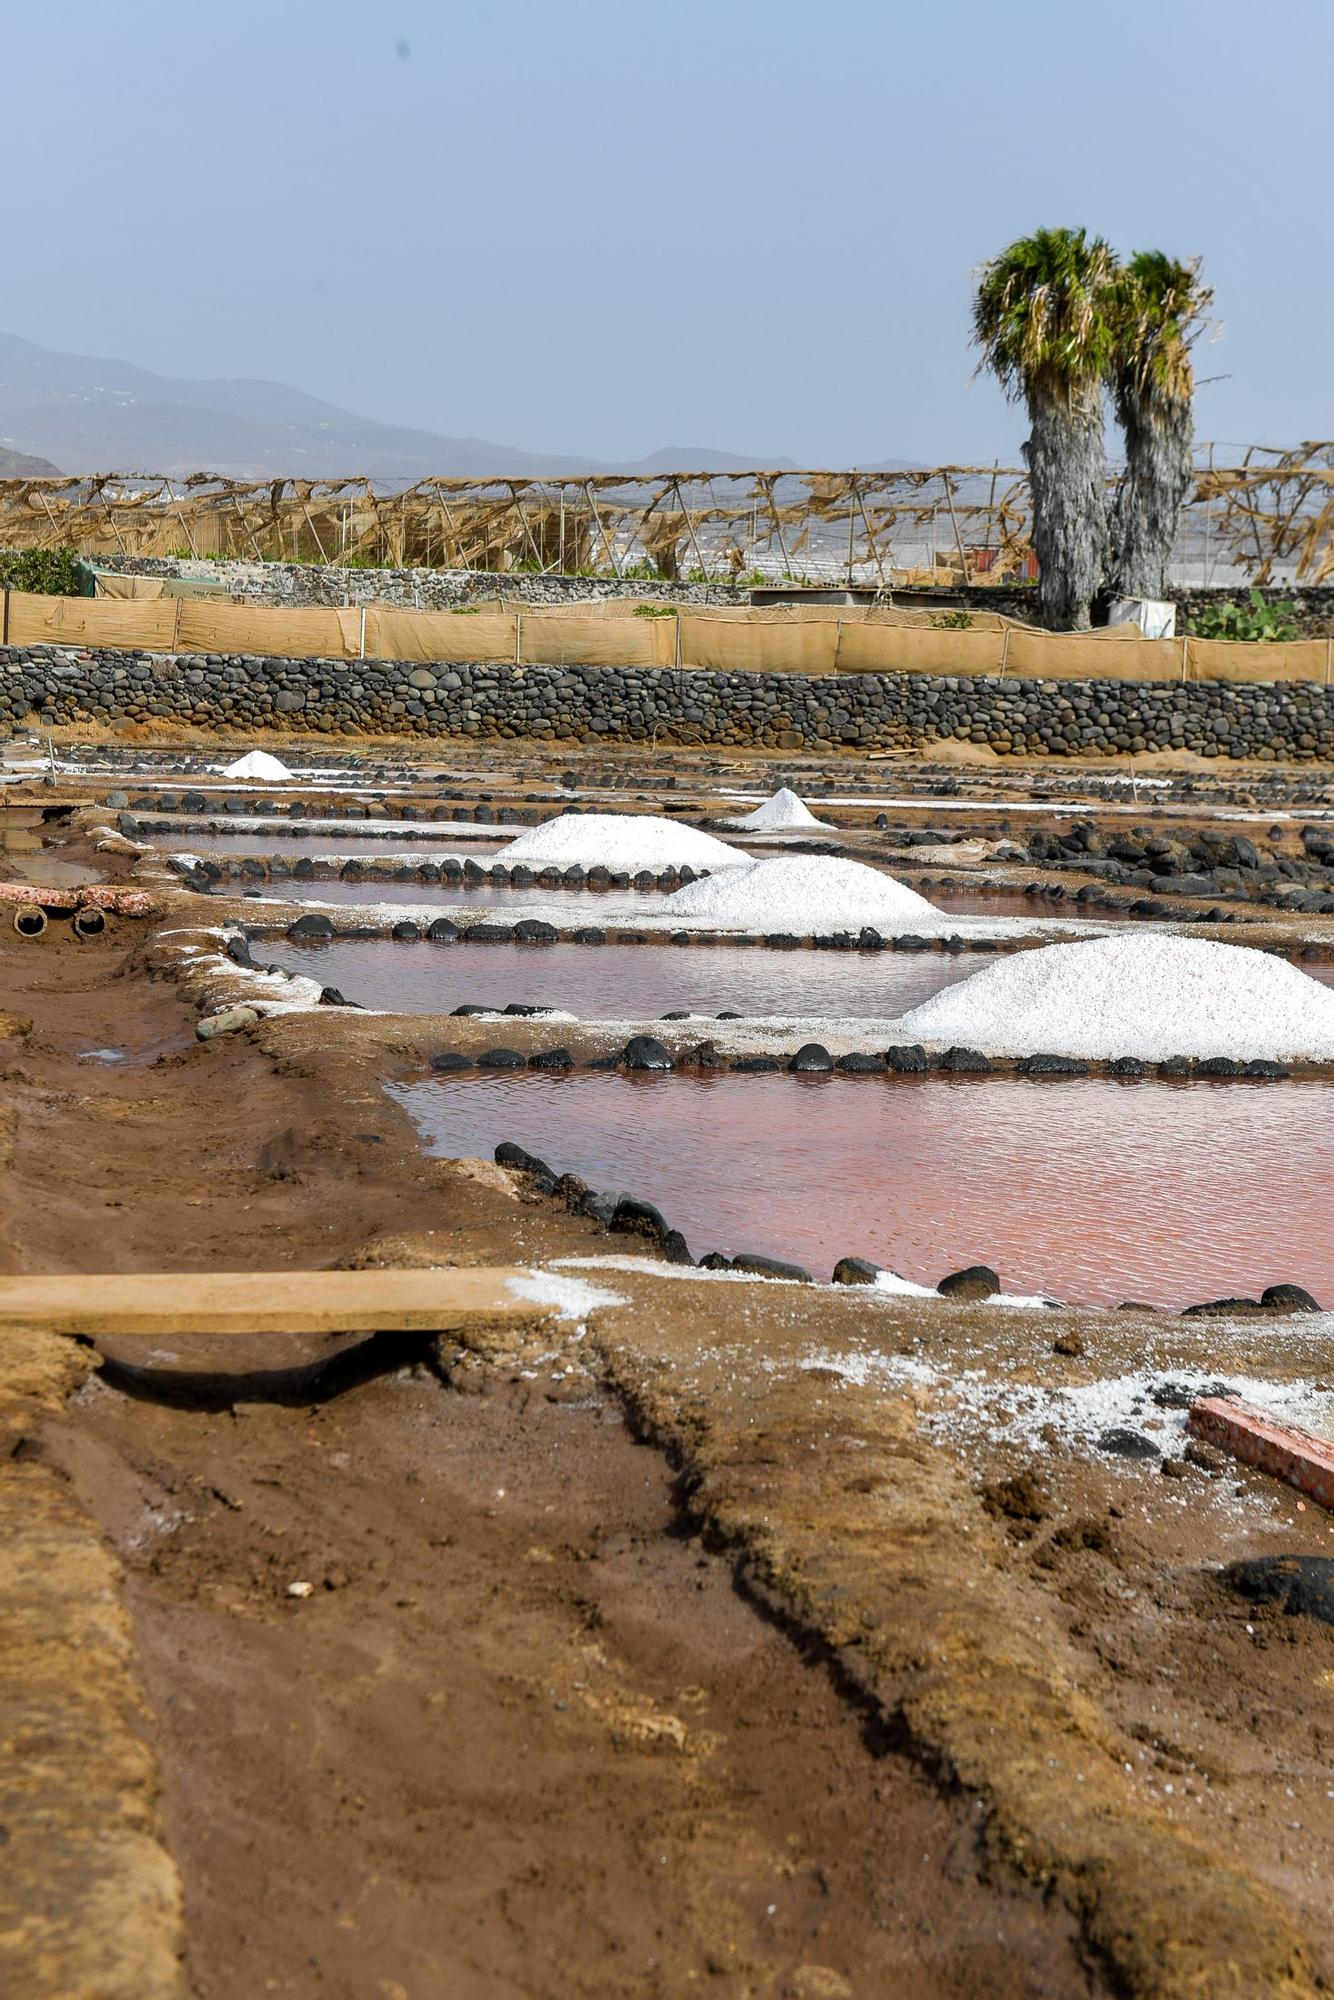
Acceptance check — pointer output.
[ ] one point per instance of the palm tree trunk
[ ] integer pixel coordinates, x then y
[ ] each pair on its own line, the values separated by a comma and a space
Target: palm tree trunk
1064, 455
1160, 435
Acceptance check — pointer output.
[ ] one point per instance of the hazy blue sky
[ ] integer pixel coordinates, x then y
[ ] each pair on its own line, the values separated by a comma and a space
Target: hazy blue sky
602, 227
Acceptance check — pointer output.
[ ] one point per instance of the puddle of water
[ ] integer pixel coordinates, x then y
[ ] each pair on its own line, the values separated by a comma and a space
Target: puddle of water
583, 907
625, 982
1087, 1190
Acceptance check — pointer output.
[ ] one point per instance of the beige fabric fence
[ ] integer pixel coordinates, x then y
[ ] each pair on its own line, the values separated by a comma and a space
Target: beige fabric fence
814, 639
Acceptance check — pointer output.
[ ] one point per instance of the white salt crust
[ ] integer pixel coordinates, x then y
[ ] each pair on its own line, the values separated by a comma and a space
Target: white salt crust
620, 842
806, 895
1135, 995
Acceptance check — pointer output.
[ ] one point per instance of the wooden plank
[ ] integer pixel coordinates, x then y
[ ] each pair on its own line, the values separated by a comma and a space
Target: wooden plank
1294, 1456
178, 1303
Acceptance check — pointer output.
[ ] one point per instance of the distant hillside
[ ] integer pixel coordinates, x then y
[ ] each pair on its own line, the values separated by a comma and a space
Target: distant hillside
20, 464
96, 415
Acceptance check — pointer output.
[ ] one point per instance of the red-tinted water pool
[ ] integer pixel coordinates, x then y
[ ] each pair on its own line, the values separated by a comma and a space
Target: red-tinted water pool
1085, 1190
625, 982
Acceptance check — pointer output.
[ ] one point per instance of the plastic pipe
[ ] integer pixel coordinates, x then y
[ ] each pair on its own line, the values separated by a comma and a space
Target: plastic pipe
29, 920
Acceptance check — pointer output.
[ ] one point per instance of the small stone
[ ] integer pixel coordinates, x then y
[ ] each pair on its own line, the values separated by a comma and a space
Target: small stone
975, 1281
645, 1052
1071, 1343
855, 1271
228, 1022
301, 1589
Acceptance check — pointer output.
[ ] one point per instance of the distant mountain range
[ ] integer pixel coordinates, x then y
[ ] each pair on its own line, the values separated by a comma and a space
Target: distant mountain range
82, 413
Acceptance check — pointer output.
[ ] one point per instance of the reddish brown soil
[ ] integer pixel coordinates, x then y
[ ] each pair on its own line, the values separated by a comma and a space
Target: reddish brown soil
522, 1738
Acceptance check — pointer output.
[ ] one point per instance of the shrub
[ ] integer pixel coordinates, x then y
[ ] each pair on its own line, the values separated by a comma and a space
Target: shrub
1256, 619
45, 572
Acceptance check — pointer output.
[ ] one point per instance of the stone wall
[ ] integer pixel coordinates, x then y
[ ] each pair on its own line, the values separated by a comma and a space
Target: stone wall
607, 705
292, 584
300, 584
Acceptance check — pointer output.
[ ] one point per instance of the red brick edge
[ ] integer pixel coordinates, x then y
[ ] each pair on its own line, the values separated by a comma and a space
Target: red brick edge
1294, 1456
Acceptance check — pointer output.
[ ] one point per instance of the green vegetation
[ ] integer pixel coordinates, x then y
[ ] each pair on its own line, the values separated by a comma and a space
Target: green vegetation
45, 572
654, 611
952, 621
1256, 619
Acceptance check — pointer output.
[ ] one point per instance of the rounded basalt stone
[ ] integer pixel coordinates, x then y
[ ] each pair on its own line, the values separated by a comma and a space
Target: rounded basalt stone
908, 1061
728, 1014
1122, 1442
1219, 1308
1288, 1299
964, 1062
601, 1206
639, 1218
975, 1281
531, 930
1265, 1071
771, 1267
450, 1059
812, 1059
442, 931
753, 1065
1127, 1066
1176, 1066
1219, 1066
311, 926
645, 1052
1048, 1065
855, 1271
406, 932
501, 1059
869, 939
589, 935
861, 1062
551, 1059
522, 877
714, 1260
487, 934
910, 942
677, 1014
1296, 1584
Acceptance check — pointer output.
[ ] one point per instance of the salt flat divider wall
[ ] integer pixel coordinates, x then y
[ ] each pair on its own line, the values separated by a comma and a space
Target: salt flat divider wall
810, 640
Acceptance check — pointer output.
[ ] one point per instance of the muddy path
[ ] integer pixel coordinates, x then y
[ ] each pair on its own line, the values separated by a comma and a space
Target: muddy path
523, 1736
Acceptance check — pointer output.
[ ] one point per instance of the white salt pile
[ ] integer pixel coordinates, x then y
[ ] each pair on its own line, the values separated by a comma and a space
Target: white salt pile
804, 895
783, 810
619, 841
1145, 996
258, 764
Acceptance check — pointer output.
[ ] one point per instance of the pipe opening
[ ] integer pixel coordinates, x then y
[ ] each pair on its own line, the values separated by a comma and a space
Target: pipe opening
88, 923
29, 920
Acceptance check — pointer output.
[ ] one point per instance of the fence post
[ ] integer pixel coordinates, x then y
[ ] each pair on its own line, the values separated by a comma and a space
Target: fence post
362, 642
5, 640
1329, 650
518, 638
677, 652
838, 641
1185, 641
1005, 649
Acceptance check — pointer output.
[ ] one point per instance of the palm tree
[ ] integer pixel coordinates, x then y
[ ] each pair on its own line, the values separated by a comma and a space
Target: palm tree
1158, 311
1042, 317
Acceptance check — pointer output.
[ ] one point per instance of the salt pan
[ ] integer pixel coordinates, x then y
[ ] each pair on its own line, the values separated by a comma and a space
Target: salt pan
619, 841
1146, 996
805, 895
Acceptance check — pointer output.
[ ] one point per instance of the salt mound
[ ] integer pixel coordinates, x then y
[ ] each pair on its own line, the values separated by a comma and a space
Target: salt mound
806, 895
258, 764
784, 809
619, 841
1144, 996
